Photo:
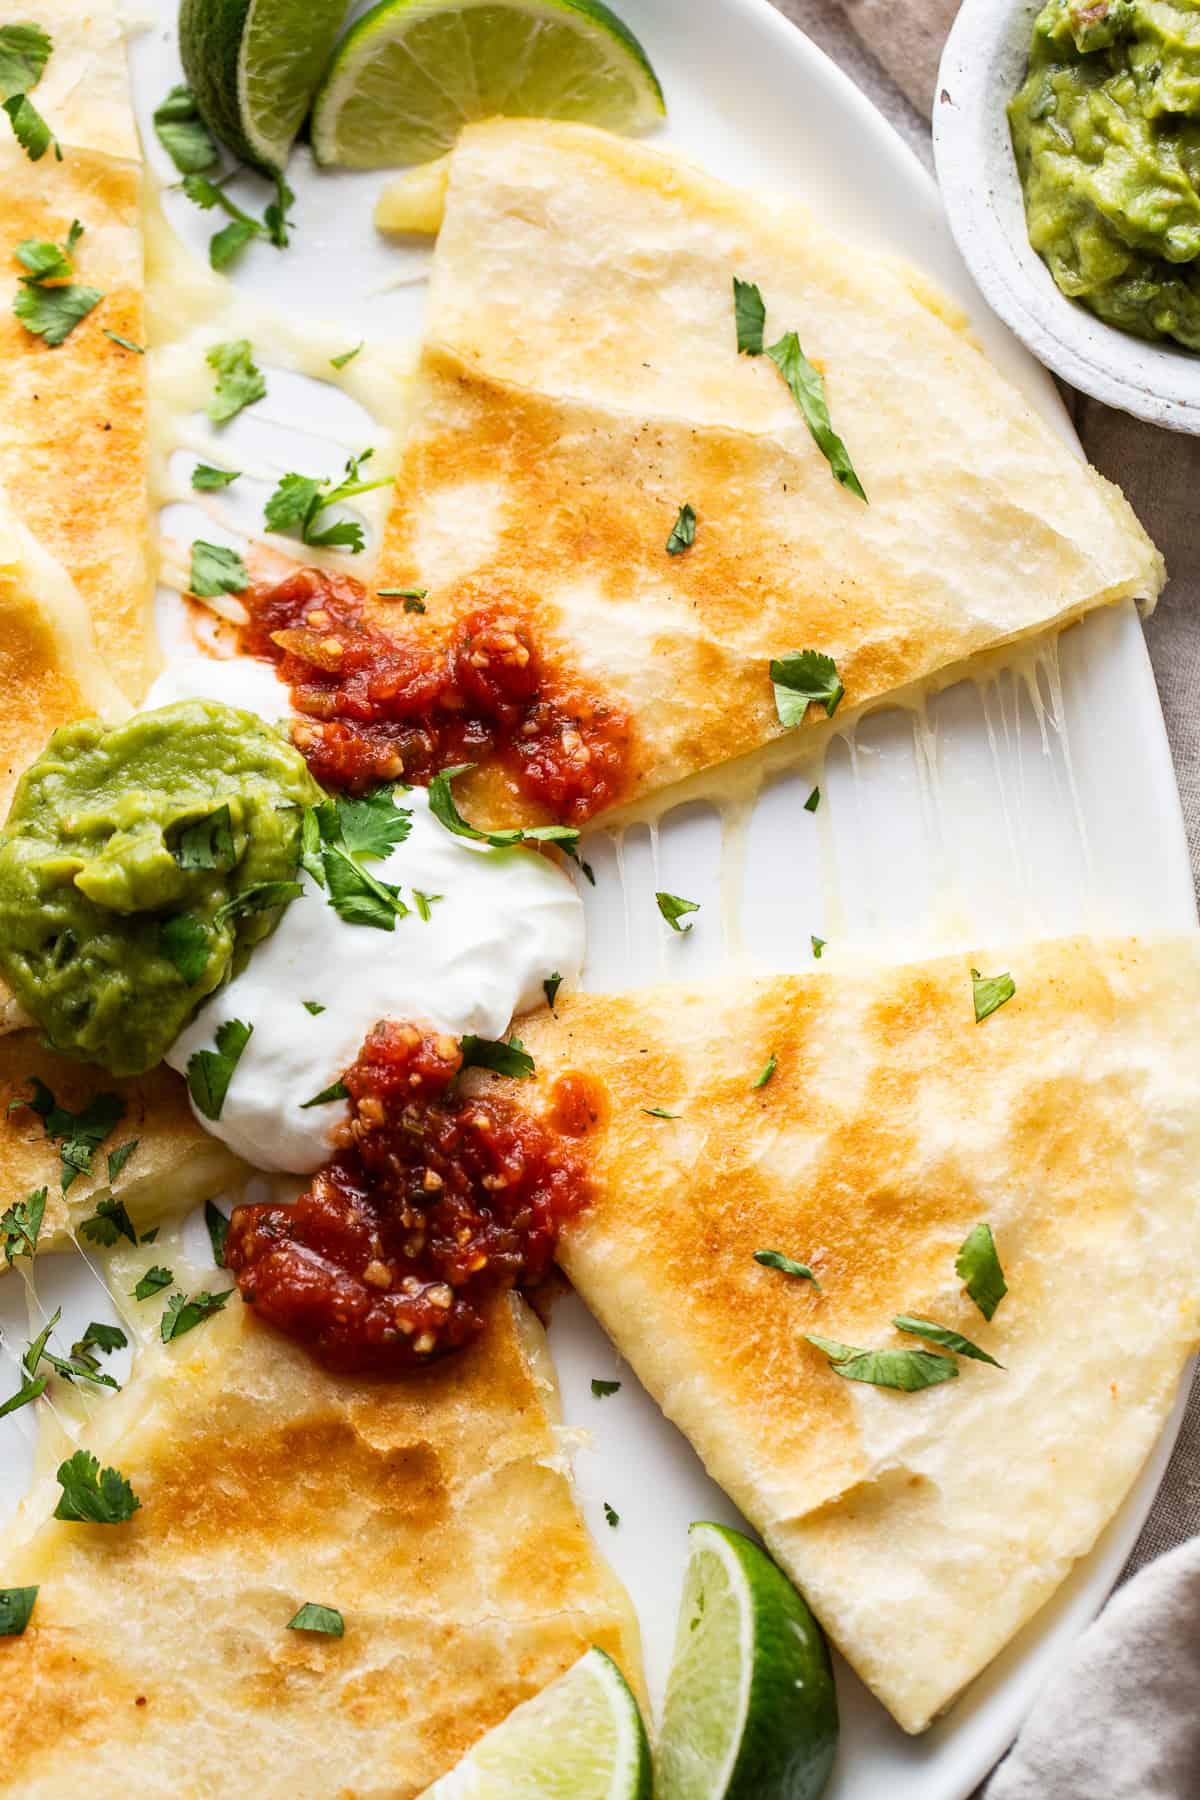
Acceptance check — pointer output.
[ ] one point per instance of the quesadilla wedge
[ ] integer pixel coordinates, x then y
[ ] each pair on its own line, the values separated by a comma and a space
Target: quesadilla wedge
73, 456
435, 1517
581, 384
924, 1528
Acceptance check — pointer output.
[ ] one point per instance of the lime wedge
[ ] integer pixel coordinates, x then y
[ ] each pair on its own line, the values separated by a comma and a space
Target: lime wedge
751, 1712
581, 1738
410, 73
253, 65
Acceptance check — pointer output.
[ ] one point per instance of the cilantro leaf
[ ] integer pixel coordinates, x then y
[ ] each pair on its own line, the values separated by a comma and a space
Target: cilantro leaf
314, 1007
347, 356
672, 908
371, 824
356, 895
109, 1222
239, 381
153, 1282
227, 243
24, 53
119, 1157
30, 129
813, 801
84, 1368
125, 343
906, 1370
977, 1266
105, 1338
683, 531
313, 1617
942, 1334
20, 1225
414, 598
749, 317
182, 132
441, 805
16, 1604
207, 843
660, 1112
275, 214
775, 1259
183, 1314
808, 391
803, 679
299, 501
91, 1495
207, 480
28, 1391
551, 986
509, 1058
612, 1515
81, 1134
262, 896
209, 1072
337, 1090
46, 261
602, 1389
52, 313
218, 1230
818, 944
990, 992
216, 570
183, 941
765, 1073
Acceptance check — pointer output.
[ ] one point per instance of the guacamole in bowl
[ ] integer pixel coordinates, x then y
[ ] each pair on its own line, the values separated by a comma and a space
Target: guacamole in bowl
1106, 132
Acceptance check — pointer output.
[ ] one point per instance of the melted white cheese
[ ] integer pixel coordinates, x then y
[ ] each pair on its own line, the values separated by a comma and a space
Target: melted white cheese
506, 920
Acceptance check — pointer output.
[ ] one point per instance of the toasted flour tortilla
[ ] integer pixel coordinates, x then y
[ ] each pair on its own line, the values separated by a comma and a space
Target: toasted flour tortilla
73, 455
580, 381
924, 1528
435, 1513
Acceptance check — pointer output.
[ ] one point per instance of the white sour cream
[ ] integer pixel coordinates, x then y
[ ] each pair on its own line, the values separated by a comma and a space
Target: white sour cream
506, 920
241, 681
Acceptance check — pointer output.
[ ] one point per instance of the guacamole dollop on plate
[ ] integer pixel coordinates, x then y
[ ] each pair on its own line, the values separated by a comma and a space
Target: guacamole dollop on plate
1106, 130
138, 866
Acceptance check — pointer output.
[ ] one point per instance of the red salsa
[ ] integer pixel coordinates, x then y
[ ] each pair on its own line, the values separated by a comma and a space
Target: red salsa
377, 706
434, 1202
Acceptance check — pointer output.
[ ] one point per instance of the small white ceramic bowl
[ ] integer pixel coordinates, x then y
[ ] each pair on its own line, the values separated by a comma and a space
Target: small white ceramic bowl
982, 67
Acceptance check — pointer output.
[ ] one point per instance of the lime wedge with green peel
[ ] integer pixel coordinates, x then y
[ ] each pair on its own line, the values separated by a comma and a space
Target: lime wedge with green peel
253, 66
751, 1712
582, 1738
410, 73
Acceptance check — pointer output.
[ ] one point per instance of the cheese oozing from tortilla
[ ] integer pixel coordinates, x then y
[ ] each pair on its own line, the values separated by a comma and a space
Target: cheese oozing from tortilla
501, 922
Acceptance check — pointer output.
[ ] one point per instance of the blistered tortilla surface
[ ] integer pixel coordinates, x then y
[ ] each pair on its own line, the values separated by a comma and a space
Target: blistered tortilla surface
924, 1528
580, 381
434, 1513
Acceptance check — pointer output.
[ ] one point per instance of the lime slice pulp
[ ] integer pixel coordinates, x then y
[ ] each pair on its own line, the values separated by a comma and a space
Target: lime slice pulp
581, 1738
751, 1712
410, 73
253, 66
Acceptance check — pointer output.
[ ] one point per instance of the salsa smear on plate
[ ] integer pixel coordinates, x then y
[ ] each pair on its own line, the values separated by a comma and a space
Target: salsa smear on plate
1106, 130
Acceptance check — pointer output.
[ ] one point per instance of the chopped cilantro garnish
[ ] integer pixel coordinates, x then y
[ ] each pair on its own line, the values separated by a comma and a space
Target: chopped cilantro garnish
104, 1338
907, 1370
413, 594
275, 214
347, 356
217, 1223
91, 1495
299, 501
413, 605
356, 895
509, 1058
749, 317
775, 1259
30, 129
313, 1617
24, 53
183, 941
990, 992
683, 531
52, 313
16, 1604
371, 825
46, 261
803, 679
183, 1314
977, 1266
119, 1157
441, 805
216, 570
942, 1334
808, 391
813, 801
20, 1225
612, 1515
551, 986
602, 1389
660, 1112
209, 480
124, 342
25, 1394
672, 908
337, 1090
765, 1073
183, 134
261, 896
340, 831
153, 1282
313, 1006
209, 1072
79, 1135
109, 1222
207, 843
239, 381
818, 944
83, 1367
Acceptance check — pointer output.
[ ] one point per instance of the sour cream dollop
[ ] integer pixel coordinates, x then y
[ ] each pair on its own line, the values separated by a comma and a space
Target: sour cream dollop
505, 920
241, 681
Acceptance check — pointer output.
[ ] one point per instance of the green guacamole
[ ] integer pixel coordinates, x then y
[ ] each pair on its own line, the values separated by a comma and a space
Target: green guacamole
1106, 131
131, 872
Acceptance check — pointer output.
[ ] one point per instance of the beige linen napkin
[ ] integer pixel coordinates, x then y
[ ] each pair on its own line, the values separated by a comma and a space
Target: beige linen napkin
1122, 1722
